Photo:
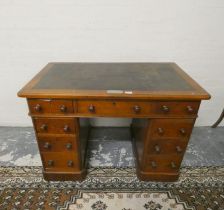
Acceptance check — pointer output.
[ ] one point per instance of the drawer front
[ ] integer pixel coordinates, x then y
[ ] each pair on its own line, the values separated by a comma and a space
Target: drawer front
112, 108
136, 108
60, 161
166, 146
170, 108
163, 163
55, 125
39, 106
62, 106
57, 144
171, 128
50, 106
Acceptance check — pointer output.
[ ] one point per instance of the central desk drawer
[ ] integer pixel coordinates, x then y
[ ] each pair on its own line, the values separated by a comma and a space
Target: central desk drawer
112, 108
55, 125
136, 108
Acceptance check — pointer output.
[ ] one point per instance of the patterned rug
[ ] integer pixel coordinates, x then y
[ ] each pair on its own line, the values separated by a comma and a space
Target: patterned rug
23, 188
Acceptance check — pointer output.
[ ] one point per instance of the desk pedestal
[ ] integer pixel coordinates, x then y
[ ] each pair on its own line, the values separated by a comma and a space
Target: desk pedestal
160, 133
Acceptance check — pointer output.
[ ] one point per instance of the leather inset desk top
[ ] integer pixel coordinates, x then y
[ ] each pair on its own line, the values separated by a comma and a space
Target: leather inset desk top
86, 76
106, 79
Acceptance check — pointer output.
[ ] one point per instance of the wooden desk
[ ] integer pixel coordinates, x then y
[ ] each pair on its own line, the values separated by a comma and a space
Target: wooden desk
160, 97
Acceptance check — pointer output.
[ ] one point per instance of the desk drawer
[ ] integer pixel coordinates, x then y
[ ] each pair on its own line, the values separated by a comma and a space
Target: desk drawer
182, 108
57, 144
163, 163
171, 128
60, 162
50, 106
112, 107
55, 125
166, 146
136, 108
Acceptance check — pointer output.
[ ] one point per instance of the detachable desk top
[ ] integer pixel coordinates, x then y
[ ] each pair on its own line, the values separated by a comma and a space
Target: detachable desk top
109, 80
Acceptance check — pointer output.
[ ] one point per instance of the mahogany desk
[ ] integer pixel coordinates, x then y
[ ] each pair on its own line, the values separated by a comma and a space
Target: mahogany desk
160, 97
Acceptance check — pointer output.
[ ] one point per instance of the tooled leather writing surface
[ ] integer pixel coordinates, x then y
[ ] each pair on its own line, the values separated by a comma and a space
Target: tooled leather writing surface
113, 76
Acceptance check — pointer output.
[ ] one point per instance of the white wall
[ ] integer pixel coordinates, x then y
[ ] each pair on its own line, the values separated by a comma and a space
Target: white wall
33, 33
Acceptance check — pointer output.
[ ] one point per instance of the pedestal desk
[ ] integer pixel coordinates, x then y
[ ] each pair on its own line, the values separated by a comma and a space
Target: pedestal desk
162, 100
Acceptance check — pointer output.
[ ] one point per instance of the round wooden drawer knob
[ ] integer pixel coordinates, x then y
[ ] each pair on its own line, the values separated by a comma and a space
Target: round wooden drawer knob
47, 145
50, 163
153, 164
178, 149
68, 146
63, 108
173, 165
160, 131
43, 127
165, 109
70, 163
182, 131
137, 109
66, 128
157, 149
190, 109
37, 108
91, 108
